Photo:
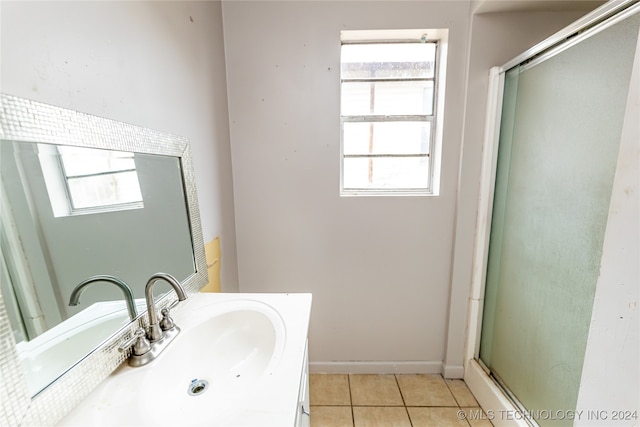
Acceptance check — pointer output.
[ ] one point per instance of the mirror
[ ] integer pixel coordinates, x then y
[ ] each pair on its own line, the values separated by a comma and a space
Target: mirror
84, 196
49, 251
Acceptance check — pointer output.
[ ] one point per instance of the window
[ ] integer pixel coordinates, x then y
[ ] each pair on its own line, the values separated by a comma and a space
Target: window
389, 101
84, 180
99, 178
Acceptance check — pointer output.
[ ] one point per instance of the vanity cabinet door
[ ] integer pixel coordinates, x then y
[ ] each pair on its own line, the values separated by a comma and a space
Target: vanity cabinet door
303, 417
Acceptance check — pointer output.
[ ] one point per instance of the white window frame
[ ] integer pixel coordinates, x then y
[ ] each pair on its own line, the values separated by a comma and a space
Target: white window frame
56, 183
440, 37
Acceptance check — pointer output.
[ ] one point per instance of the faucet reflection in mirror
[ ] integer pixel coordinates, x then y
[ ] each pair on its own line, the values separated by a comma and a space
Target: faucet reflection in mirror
164, 166
74, 299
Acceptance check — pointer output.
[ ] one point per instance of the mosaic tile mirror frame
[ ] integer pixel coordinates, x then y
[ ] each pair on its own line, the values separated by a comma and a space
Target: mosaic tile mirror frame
25, 121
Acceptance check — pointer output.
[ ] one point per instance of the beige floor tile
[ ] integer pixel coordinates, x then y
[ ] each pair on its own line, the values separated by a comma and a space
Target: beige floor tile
480, 423
331, 416
425, 390
375, 390
380, 416
476, 417
329, 389
461, 393
440, 417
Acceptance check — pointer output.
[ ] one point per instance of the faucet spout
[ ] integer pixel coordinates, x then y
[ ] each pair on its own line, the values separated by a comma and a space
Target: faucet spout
155, 332
74, 299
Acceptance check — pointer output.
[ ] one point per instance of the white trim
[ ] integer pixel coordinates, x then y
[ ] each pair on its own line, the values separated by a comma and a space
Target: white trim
27, 294
442, 58
581, 36
483, 222
53, 179
364, 367
500, 410
606, 10
427, 35
452, 371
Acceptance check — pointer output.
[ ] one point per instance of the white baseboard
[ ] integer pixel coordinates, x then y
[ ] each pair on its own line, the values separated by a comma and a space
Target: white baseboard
497, 406
452, 371
362, 367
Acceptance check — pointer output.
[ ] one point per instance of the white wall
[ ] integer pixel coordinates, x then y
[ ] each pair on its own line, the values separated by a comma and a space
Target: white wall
387, 292
153, 64
378, 267
389, 283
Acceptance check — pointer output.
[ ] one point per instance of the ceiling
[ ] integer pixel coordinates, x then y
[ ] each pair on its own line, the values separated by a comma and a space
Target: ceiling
492, 6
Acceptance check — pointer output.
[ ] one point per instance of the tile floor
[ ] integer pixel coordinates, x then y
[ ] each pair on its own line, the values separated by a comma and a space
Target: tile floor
417, 400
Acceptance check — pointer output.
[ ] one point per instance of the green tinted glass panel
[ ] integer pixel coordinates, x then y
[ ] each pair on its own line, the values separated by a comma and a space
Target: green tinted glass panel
559, 140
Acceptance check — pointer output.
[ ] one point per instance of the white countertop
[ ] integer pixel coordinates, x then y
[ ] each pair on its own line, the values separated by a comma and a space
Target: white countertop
272, 402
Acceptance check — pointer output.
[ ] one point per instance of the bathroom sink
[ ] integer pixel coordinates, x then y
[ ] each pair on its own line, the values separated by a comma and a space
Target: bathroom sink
213, 366
225, 368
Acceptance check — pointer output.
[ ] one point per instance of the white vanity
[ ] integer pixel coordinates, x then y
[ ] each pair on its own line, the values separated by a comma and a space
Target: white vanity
239, 360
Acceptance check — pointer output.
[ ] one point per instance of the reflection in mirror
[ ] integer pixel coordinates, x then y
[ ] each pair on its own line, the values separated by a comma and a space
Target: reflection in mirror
86, 180
46, 252
74, 298
69, 213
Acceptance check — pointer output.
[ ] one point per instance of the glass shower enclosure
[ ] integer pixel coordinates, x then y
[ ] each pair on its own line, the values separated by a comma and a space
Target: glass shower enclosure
559, 134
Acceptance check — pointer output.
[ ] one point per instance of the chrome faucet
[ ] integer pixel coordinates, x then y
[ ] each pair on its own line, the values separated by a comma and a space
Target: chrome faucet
144, 349
155, 331
74, 299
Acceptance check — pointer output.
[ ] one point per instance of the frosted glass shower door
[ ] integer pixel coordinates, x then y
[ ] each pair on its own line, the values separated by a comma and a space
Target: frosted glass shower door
560, 131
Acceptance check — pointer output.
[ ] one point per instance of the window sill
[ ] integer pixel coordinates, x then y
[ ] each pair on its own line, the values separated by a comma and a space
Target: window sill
387, 193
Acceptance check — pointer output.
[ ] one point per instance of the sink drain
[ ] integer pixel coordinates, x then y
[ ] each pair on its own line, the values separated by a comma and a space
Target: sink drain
197, 387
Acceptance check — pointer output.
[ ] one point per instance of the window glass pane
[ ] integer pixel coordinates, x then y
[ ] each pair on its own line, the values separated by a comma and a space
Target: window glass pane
105, 190
83, 161
386, 173
388, 60
387, 98
386, 137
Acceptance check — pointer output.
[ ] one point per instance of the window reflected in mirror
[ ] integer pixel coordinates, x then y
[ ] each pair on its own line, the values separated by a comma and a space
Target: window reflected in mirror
86, 180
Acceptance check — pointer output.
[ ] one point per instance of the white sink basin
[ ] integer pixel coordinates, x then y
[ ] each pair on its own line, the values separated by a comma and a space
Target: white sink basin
231, 350
241, 347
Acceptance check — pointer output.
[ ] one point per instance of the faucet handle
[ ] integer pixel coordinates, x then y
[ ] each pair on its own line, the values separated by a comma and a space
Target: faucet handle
139, 343
167, 322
